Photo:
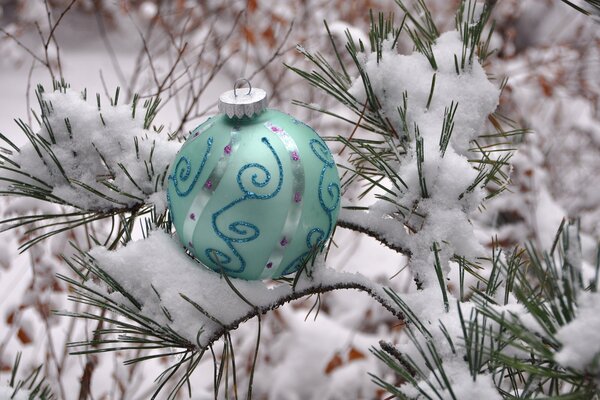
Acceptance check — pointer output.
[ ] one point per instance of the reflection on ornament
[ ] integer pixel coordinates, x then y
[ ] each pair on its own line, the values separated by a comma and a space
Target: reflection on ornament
253, 196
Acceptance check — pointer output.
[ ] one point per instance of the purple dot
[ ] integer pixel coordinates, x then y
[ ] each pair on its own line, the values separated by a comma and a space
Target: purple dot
283, 242
295, 155
276, 129
227, 149
269, 264
208, 184
190, 244
297, 197
193, 216
196, 134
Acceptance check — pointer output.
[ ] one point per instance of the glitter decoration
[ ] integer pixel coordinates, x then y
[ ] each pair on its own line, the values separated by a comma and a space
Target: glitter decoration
253, 196
183, 169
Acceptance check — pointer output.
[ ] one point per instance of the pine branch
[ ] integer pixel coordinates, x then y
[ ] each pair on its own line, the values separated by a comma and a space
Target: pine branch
592, 8
515, 349
389, 232
33, 386
130, 322
118, 164
377, 156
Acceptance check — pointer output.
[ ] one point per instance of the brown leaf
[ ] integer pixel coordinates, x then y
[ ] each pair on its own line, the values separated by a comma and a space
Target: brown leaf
23, 336
56, 286
335, 362
546, 86
249, 35
269, 36
354, 354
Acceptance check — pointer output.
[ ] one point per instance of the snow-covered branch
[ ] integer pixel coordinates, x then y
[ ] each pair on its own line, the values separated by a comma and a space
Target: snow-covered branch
156, 280
382, 227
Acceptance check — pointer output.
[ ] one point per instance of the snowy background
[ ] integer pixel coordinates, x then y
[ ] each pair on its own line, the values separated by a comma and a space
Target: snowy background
549, 53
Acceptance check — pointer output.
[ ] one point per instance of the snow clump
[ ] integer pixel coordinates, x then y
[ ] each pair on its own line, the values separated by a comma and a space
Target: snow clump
449, 175
95, 158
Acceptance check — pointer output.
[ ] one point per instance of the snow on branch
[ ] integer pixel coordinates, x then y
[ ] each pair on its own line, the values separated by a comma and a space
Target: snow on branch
382, 227
93, 156
421, 145
439, 110
154, 281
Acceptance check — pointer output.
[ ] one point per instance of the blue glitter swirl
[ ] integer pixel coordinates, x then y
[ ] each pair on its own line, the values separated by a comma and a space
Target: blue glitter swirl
184, 167
218, 257
243, 231
311, 244
254, 179
170, 207
333, 188
316, 237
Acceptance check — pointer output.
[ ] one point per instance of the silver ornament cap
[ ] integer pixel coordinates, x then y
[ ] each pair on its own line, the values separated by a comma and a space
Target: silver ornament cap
243, 102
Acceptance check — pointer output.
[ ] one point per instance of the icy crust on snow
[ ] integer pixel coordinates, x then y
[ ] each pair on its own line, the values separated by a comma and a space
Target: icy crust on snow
160, 262
442, 217
580, 338
90, 152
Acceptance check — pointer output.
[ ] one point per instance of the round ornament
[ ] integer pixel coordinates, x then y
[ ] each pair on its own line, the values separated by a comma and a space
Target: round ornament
253, 191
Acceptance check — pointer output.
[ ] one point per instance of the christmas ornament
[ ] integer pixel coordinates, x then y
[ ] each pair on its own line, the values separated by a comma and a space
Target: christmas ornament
253, 191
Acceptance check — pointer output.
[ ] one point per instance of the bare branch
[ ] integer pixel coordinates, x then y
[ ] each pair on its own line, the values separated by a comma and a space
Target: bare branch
369, 289
21, 45
60, 17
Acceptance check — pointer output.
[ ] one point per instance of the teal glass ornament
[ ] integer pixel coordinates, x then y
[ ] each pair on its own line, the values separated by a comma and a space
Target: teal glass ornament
253, 191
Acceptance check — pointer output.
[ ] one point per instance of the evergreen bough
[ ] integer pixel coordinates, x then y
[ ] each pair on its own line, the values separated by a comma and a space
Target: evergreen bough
518, 356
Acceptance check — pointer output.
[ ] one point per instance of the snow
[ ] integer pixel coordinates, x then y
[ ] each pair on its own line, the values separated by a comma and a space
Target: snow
462, 384
320, 343
428, 306
573, 255
160, 262
378, 221
579, 338
299, 352
157, 272
7, 393
448, 175
95, 148
338, 29
548, 217
148, 10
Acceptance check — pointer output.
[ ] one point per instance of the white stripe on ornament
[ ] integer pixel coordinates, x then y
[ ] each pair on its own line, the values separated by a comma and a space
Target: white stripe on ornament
295, 210
208, 188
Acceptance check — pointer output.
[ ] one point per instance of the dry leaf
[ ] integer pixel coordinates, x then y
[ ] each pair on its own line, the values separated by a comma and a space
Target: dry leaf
354, 354
335, 362
23, 336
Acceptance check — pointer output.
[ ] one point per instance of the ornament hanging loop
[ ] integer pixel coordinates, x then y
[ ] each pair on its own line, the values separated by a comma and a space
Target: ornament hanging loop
238, 84
244, 104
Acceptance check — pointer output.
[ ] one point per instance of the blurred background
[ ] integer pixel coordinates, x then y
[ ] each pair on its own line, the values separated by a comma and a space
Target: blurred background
189, 52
